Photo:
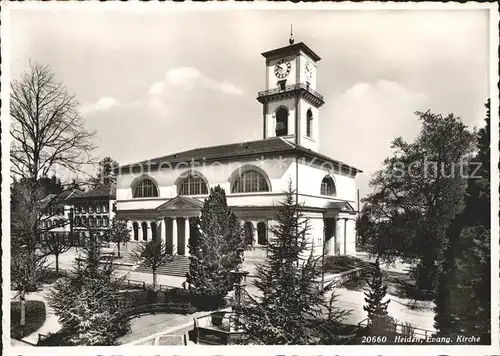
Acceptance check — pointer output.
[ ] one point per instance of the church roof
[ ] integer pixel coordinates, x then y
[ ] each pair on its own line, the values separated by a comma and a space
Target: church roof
274, 145
292, 49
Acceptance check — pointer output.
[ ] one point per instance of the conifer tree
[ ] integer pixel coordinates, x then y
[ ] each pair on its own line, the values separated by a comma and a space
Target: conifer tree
375, 307
88, 302
290, 308
216, 247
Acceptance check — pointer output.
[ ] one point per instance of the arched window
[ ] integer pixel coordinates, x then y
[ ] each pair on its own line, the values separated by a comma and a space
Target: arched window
193, 185
153, 231
328, 187
282, 122
144, 226
262, 233
250, 182
145, 189
309, 123
135, 227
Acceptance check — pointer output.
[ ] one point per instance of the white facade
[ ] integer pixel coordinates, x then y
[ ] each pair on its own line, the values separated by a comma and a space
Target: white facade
158, 197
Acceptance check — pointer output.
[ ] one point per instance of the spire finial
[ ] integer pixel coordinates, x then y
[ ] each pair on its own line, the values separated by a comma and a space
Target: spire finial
291, 40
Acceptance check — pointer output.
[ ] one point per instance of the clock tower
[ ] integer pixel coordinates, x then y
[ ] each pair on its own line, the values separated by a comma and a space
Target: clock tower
290, 102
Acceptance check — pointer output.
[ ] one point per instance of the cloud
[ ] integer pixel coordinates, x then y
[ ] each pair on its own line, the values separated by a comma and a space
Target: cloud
157, 88
190, 78
382, 90
184, 79
103, 104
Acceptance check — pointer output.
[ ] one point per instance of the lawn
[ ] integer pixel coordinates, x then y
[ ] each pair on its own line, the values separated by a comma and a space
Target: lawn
338, 264
398, 284
35, 317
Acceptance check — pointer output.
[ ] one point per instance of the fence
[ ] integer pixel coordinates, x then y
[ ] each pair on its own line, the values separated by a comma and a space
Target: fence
402, 329
145, 285
177, 308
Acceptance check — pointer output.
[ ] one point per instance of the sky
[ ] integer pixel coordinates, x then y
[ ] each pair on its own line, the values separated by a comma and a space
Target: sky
158, 82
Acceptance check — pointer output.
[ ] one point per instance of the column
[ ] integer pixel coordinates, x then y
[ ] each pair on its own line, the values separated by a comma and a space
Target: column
163, 231
345, 236
148, 229
174, 236
336, 240
255, 234
139, 231
186, 236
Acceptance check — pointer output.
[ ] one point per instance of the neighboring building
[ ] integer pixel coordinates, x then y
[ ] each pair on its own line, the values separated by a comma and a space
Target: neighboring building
94, 209
77, 211
56, 218
158, 197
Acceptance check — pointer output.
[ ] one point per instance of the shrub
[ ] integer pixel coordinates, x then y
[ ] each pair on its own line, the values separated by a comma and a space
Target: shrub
35, 317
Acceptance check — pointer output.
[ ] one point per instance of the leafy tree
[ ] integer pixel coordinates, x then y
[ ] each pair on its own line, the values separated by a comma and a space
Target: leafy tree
363, 227
418, 193
55, 243
375, 307
215, 249
291, 306
152, 254
105, 175
464, 306
89, 303
119, 233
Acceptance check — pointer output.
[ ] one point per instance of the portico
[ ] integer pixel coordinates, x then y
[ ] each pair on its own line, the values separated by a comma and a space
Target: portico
171, 224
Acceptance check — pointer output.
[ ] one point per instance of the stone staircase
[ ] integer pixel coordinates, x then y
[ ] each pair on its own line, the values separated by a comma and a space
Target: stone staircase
178, 268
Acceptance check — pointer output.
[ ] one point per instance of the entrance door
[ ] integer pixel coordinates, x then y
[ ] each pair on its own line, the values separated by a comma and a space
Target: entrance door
330, 239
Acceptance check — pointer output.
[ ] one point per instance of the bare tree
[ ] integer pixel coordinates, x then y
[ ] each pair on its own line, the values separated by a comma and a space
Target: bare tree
55, 243
152, 254
47, 133
119, 233
46, 129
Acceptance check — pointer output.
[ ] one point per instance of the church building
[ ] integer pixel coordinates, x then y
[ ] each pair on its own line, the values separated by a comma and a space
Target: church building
157, 197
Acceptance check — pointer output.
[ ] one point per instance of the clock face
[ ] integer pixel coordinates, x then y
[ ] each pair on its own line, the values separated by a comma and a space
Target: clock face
282, 68
309, 70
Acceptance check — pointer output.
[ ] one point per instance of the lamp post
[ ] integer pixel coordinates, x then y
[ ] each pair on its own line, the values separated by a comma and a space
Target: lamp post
240, 277
323, 257
71, 219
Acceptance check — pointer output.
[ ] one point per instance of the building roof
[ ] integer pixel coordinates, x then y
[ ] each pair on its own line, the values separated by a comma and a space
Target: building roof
274, 145
340, 205
104, 191
292, 49
181, 202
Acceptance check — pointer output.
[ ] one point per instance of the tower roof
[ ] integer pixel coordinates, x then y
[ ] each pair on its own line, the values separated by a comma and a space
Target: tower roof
292, 49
